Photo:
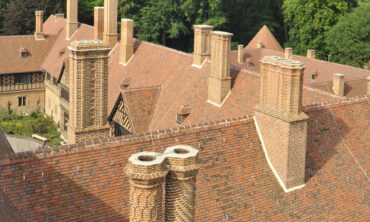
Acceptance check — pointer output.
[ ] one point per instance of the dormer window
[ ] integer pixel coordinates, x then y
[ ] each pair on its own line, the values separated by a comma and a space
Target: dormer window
125, 83
62, 51
183, 113
314, 75
24, 53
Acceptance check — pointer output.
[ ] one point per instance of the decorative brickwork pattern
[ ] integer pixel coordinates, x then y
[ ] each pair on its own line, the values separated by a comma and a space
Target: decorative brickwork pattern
88, 70
146, 171
282, 124
180, 183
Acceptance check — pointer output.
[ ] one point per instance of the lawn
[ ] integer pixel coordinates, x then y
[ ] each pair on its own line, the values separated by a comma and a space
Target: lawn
27, 125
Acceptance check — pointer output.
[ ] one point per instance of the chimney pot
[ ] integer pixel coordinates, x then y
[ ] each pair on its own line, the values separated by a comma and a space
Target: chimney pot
39, 31
240, 54
259, 45
98, 23
110, 22
202, 44
311, 54
338, 84
127, 40
219, 80
288, 53
72, 18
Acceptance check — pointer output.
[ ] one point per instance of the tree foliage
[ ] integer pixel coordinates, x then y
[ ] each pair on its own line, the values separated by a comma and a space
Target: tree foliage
309, 20
348, 42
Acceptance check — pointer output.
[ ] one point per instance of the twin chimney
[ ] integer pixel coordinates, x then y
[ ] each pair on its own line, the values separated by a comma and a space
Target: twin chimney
39, 31
147, 171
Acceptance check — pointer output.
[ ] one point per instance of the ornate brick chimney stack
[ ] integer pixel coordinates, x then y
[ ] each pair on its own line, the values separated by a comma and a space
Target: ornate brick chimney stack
219, 79
98, 23
180, 183
288, 53
39, 31
311, 54
202, 44
110, 22
338, 84
72, 18
240, 54
281, 124
127, 40
88, 68
146, 172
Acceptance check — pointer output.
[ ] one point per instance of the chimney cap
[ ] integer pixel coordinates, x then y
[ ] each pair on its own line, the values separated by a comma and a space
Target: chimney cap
339, 75
39, 12
203, 27
181, 151
283, 62
127, 20
222, 33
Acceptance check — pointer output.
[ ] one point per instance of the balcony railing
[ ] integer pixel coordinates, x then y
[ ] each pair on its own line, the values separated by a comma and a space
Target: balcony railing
29, 81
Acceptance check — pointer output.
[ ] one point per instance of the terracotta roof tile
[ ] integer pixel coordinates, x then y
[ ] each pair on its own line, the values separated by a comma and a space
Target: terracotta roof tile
234, 181
352, 88
11, 60
268, 40
5, 147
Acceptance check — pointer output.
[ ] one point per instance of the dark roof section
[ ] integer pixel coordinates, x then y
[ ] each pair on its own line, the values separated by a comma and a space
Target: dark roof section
11, 48
234, 182
5, 147
141, 104
268, 40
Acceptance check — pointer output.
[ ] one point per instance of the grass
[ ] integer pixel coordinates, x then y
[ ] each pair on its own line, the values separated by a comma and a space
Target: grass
27, 125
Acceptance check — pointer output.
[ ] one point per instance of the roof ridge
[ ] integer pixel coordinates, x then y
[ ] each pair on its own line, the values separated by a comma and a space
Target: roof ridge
142, 88
339, 102
164, 47
51, 152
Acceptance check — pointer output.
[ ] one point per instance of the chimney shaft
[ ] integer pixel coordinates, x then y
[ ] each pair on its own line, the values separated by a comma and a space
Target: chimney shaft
240, 54
110, 22
127, 40
98, 23
281, 124
259, 45
338, 84
72, 18
180, 183
202, 44
311, 54
219, 80
39, 32
368, 85
288, 53
146, 171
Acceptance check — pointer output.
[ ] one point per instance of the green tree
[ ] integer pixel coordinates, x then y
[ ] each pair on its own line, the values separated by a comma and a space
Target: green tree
348, 42
3, 6
19, 17
309, 20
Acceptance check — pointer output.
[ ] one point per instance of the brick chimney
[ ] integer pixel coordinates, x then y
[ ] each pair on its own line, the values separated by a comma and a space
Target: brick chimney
280, 122
311, 54
72, 18
219, 79
259, 45
98, 23
202, 44
88, 68
39, 29
338, 84
127, 40
110, 22
288, 53
240, 54
180, 183
368, 85
146, 172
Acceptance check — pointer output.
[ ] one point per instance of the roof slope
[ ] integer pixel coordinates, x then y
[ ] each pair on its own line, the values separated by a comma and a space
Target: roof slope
268, 40
352, 88
54, 61
11, 47
234, 181
5, 147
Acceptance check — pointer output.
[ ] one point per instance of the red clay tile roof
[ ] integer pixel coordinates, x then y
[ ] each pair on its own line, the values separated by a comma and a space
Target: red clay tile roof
5, 147
141, 104
323, 69
8, 213
267, 38
11, 47
87, 181
352, 88
54, 61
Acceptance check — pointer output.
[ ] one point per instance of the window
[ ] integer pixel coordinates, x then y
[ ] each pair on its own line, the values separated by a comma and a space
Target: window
56, 109
48, 77
250, 65
64, 94
22, 101
22, 79
66, 119
55, 81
